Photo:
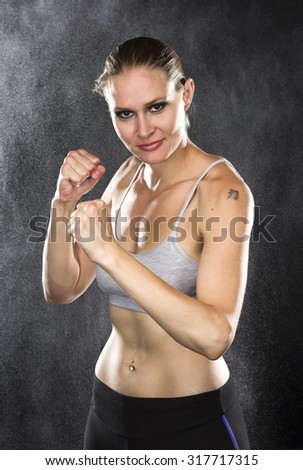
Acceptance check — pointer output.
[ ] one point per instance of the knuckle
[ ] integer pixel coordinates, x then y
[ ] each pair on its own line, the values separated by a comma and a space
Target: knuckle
84, 172
81, 151
68, 159
91, 166
71, 153
64, 169
90, 205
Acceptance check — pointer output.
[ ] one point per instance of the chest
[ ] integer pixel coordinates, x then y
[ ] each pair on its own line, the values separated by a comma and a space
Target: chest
143, 219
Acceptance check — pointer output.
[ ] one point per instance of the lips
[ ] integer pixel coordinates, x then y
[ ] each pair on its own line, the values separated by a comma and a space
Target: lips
151, 145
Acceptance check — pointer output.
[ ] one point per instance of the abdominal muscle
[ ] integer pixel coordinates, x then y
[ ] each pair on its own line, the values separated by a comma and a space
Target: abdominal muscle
140, 359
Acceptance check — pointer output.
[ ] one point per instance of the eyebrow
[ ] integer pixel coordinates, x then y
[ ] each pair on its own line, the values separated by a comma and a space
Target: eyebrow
146, 105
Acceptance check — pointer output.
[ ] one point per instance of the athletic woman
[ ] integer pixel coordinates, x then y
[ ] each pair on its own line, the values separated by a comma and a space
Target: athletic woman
168, 241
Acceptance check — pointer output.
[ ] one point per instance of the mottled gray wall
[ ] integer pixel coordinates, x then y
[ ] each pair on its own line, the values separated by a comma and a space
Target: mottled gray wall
244, 58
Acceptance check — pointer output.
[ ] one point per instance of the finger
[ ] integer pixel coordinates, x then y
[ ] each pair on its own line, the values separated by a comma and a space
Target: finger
94, 177
89, 161
89, 156
75, 222
88, 183
75, 215
85, 207
95, 204
81, 204
71, 161
98, 172
71, 166
71, 175
71, 227
84, 154
81, 171
77, 185
86, 165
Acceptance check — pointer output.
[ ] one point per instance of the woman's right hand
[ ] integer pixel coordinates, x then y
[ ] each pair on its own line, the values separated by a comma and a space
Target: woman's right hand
79, 173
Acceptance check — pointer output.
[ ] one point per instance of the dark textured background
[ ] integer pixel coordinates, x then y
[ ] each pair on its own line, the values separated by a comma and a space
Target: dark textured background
244, 58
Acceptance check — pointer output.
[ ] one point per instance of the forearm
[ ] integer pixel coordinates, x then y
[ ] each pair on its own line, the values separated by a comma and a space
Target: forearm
60, 267
193, 324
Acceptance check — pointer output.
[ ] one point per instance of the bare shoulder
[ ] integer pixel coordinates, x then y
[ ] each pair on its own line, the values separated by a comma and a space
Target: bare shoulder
121, 178
223, 193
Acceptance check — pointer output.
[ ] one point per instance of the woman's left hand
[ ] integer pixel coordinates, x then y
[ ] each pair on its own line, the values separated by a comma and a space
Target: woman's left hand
90, 225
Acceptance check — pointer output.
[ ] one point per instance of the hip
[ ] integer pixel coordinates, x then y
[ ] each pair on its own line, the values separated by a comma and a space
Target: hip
210, 420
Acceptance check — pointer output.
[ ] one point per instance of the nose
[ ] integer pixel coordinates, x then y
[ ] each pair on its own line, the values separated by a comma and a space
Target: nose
144, 127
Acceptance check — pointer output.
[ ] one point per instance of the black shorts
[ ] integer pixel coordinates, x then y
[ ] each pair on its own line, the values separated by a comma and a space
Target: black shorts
211, 420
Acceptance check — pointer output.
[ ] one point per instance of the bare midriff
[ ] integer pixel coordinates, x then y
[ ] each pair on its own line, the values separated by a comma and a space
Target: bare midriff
140, 359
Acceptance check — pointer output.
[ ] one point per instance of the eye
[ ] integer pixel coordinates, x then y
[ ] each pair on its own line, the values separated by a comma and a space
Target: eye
157, 107
124, 114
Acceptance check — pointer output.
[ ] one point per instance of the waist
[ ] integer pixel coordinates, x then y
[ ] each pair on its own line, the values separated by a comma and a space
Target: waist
165, 370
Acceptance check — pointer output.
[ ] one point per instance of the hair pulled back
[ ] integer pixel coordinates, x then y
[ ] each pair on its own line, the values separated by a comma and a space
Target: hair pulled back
137, 52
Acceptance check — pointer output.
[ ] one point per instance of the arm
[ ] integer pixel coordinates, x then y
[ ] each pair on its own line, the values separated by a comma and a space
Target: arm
207, 324
67, 272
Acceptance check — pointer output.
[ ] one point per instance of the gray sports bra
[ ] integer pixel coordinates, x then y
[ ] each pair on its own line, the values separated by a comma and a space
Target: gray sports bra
167, 260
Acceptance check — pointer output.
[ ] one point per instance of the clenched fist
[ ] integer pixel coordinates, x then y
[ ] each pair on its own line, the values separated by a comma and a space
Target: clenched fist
90, 225
79, 173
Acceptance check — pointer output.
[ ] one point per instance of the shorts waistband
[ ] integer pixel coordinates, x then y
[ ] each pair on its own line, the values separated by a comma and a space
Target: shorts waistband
136, 417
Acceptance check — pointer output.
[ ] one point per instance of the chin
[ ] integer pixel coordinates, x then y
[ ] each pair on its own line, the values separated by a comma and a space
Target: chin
158, 156
152, 158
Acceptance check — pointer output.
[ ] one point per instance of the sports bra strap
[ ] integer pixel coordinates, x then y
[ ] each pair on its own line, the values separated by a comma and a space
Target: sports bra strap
222, 159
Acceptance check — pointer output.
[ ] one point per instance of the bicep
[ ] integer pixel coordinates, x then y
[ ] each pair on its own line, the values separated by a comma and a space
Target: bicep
222, 275
222, 272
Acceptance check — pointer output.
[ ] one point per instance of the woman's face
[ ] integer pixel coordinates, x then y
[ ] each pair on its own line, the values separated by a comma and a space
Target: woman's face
148, 113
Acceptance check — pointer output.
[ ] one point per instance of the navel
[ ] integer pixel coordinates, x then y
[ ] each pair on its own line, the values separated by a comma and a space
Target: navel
131, 366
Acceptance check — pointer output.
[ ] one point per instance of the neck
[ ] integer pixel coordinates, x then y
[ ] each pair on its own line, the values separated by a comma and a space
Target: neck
168, 172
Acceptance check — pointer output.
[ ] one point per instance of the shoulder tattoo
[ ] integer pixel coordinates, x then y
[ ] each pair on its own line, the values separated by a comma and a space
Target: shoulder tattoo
233, 193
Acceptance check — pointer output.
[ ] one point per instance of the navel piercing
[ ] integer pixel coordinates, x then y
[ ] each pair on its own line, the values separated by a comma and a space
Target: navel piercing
131, 367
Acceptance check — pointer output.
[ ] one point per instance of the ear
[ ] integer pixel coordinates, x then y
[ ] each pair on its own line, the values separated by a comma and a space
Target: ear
188, 93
